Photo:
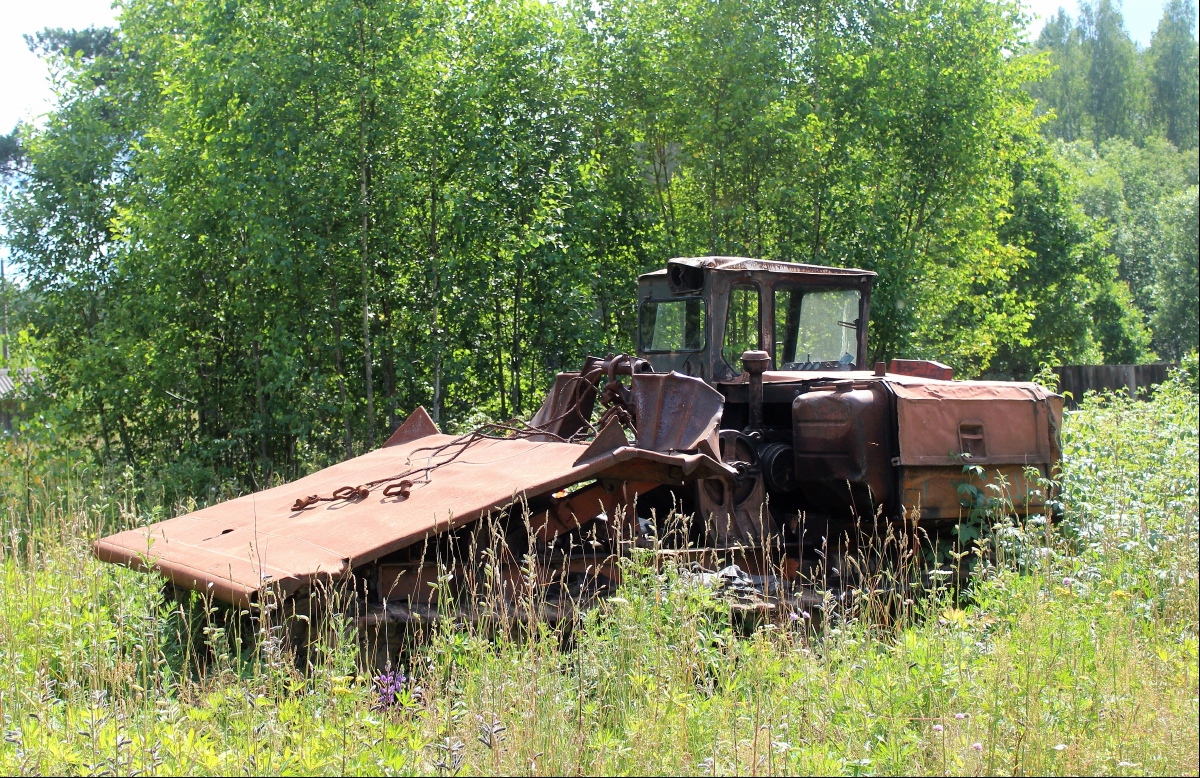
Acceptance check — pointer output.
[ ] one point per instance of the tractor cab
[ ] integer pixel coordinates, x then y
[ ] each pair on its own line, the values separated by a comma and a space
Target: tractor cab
700, 314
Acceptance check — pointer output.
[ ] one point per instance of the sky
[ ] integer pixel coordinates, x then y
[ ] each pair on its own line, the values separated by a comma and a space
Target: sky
25, 91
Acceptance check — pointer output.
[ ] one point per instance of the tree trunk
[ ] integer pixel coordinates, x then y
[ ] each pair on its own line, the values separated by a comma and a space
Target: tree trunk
262, 410
435, 292
341, 373
363, 174
515, 356
389, 362
500, 383
3, 315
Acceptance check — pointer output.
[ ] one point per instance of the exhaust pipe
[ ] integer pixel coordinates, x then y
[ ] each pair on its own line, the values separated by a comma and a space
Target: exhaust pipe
755, 363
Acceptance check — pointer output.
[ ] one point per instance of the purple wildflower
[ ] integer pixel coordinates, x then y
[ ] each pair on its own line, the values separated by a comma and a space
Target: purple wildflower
977, 746
388, 686
960, 716
937, 727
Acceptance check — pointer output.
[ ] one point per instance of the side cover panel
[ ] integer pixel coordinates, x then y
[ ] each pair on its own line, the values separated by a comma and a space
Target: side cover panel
1003, 427
976, 422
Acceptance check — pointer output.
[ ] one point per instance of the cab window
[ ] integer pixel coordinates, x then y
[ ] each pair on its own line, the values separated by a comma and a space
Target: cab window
742, 324
816, 329
672, 325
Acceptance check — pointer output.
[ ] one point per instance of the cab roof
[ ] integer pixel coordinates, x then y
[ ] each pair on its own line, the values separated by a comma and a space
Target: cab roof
735, 264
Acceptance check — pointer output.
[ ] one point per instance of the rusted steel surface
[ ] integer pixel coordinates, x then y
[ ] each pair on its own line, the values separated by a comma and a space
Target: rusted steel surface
713, 278
763, 265
863, 441
977, 422
567, 512
676, 413
687, 448
898, 379
922, 368
842, 433
933, 491
418, 425
567, 406
566, 410
235, 549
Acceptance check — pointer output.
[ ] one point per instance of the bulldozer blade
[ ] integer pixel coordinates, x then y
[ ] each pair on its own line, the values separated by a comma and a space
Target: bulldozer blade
288, 537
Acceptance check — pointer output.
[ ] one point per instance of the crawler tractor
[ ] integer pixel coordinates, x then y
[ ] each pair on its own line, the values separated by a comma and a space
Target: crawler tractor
748, 429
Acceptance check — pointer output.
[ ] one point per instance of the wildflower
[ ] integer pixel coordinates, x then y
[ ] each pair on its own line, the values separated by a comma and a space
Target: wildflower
977, 746
960, 716
388, 686
793, 616
937, 727
805, 615
1067, 581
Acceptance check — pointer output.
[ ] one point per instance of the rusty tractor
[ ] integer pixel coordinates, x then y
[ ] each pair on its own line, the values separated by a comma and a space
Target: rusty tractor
747, 430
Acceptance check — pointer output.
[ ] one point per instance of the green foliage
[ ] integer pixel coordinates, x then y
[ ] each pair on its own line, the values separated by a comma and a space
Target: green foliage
1062, 94
253, 238
1075, 653
11, 154
1065, 270
1116, 90
1120, 330
1175, 71
1137, 110
1103, 86
87, 44
1128, 189
258, 236
1177, 288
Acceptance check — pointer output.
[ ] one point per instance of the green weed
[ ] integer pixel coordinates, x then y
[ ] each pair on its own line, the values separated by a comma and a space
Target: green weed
1073, 650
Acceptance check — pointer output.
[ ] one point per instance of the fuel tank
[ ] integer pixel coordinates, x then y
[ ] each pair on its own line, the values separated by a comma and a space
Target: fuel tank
842, 439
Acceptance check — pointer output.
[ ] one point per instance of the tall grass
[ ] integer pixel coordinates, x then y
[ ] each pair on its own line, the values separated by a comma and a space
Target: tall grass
1072, 650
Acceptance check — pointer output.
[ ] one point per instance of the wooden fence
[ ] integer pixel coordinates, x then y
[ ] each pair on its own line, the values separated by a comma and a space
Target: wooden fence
1136, 380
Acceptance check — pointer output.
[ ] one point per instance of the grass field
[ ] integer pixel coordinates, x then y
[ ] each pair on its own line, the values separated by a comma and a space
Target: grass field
1072, 650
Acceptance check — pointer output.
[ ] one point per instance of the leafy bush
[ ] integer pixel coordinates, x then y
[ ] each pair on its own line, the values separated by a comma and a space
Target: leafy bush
1074, 653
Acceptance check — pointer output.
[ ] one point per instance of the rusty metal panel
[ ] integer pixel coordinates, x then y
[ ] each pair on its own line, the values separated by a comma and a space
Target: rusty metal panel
235, 549
980, 422
749, 264
796, 376
934, 490
567, 407
923, 368
842, 434
676, 413
409, 581
418, 425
